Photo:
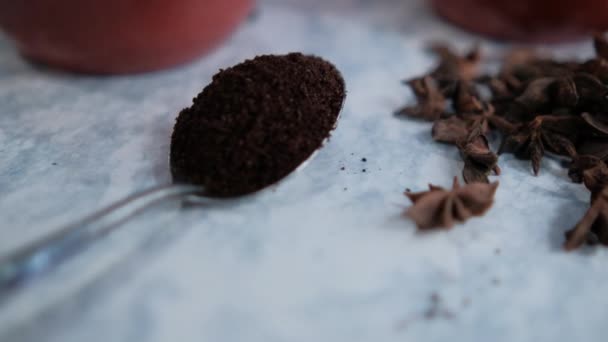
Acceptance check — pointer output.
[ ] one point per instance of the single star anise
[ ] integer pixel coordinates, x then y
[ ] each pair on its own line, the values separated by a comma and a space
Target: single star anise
552, 133
593, 227
596, 179
535, 98
580, 164
431, 102
479, 160
591, 150
456, 128
440, 208
453, 67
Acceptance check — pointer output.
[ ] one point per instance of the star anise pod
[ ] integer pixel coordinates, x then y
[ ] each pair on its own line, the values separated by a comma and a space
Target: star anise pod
592, 153
487, 119
580, 164
440, 208
450, 130
599, 124
431, 102
456, 128
509, 82
421, 86
593, 227
552, 133
479, 160
594, 146
536, 98
596, 179
502, 87
451, 69
527, 65
582, 91
466, 98
452, 66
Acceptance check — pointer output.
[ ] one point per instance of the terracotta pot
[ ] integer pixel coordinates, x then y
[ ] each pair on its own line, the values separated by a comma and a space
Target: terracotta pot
527, 20
118, 36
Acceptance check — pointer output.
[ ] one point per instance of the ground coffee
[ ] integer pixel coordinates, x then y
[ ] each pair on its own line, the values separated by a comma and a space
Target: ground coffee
255, 123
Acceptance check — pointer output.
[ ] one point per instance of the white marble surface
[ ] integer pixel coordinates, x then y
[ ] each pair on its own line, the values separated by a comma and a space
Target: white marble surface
324, 256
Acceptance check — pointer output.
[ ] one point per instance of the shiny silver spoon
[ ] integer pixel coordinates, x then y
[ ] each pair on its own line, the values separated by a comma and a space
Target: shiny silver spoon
31, 261
20, 267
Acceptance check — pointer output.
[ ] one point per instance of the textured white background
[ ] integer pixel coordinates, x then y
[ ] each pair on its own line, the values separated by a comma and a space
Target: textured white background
326, 255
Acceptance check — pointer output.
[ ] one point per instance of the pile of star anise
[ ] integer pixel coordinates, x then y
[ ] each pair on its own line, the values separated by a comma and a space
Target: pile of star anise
538, 105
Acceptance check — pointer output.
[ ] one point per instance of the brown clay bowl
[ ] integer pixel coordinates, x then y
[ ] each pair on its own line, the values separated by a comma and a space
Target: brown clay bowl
118, 36
527, 20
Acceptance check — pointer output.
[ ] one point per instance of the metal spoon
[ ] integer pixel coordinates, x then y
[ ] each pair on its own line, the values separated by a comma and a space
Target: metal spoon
21, 297
29, 262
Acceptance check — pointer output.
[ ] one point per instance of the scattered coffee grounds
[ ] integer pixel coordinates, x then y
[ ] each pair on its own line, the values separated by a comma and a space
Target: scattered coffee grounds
435, 310
364, 159
440, 208
538, 105
342, 168
255, 123
364, 170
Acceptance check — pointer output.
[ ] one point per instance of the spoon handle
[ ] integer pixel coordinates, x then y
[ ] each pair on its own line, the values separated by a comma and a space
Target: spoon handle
42, 255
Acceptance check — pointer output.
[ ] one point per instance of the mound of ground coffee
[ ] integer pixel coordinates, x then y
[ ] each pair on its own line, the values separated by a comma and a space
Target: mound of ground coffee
255, 123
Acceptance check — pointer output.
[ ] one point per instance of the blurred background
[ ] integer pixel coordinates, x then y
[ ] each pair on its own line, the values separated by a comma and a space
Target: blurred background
118, 36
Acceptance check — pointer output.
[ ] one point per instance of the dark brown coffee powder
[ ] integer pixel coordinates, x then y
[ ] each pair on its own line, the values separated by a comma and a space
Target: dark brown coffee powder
255, 123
